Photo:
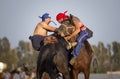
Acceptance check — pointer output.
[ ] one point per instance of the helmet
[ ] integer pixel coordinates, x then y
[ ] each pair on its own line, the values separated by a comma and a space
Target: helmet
61, 16
44, 16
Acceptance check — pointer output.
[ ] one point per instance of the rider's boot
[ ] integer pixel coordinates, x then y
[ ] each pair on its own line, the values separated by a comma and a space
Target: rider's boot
71, 44
72, 61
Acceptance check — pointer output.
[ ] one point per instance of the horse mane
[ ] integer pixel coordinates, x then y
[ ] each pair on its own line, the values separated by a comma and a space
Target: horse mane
88, 47
60, 39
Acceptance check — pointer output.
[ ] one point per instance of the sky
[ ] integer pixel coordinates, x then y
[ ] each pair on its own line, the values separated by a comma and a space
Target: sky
18, 18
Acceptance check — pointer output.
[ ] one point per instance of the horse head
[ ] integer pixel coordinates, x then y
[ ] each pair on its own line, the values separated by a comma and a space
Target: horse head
67, 28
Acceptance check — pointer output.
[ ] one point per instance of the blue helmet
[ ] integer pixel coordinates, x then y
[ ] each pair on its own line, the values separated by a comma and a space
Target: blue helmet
44, 16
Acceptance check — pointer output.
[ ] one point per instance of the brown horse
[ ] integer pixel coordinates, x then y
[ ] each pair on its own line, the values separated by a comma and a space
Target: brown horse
84, 58
83, 62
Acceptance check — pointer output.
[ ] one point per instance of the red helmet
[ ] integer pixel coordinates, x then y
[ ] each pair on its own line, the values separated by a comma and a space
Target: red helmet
61, 16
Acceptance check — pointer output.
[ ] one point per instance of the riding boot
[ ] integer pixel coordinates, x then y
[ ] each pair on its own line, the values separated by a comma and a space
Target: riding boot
72, 61
71, 44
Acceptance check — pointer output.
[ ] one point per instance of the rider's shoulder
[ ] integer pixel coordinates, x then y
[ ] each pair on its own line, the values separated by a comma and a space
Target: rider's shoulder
41, 24
75, 18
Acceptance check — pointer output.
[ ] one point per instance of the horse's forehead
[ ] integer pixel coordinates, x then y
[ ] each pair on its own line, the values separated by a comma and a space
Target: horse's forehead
66, 22
66, 25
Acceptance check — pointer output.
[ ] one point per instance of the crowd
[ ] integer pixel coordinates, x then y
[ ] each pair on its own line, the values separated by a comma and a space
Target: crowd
19, 73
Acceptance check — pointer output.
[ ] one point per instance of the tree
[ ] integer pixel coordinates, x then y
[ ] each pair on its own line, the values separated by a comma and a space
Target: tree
0, 46
7, 55
102, 51
25, 53
116, 55
24, 46
5, 45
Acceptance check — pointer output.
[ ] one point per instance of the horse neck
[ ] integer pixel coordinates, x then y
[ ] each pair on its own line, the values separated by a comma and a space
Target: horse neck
88, 47
61, 40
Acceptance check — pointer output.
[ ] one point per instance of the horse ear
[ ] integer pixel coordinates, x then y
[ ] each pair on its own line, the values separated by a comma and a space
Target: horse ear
71, 16
71, 19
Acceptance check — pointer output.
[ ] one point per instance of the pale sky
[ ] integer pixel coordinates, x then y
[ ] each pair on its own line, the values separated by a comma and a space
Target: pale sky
18, 18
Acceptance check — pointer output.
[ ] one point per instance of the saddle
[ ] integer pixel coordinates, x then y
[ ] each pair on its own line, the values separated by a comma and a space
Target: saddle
50, 40
53, 39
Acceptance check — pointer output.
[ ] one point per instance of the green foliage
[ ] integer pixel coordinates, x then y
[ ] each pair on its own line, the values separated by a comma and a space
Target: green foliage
24, 46
101, 69
108, 58
26, 54
31, 60
116, 55
4, 45
7, 55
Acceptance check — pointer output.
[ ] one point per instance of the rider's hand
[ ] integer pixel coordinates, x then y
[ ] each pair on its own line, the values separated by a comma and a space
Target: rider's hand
56, 30
67, 37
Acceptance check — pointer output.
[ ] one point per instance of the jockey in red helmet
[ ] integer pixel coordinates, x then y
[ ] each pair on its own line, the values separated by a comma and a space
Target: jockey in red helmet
61, 16
80, 29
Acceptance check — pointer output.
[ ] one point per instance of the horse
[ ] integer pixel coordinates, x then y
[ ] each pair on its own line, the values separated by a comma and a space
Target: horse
83, 61
52, 58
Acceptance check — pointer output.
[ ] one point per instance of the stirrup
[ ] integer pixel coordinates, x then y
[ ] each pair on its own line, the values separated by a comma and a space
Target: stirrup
50, 40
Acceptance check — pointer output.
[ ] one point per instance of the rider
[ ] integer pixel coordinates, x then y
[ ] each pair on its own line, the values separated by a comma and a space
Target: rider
41, 31
80, 29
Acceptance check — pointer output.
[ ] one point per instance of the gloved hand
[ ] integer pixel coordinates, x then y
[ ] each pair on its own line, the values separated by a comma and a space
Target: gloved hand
56, 30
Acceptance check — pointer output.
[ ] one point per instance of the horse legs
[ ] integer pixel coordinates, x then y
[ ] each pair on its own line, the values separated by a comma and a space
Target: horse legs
86, 74
75, 74
39, 75
64, 70
45, 76
52, 75
62, 65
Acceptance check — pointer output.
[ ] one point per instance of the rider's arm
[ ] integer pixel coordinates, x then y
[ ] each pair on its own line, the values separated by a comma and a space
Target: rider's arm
49, 28
77, 24
77, 30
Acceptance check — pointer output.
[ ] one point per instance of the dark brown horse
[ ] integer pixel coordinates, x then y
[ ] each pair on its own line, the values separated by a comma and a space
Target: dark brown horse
85, 56
52, 59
